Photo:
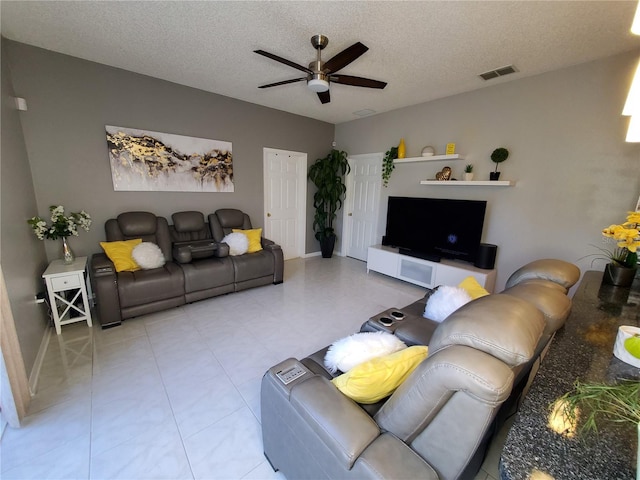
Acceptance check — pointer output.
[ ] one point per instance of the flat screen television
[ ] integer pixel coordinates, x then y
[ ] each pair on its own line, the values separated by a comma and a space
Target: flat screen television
435, 228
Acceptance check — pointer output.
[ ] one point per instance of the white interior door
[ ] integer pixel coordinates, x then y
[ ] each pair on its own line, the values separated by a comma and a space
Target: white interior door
362, 204
285, 205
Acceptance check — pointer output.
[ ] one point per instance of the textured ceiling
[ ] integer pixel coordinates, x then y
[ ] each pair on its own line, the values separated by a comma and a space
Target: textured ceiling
424, 50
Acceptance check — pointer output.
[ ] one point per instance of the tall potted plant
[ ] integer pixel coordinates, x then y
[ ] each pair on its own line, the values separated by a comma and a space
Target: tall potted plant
327, 174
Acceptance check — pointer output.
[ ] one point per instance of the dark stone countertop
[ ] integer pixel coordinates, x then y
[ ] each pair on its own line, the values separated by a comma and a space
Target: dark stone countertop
583, 349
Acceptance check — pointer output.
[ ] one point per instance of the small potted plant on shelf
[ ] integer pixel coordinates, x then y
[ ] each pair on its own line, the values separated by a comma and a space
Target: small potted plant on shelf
498, 156
388, 165
468, 172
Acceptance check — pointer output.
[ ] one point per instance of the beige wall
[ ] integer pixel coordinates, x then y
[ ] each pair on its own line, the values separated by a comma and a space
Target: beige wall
22, 255
574, 172
70, 102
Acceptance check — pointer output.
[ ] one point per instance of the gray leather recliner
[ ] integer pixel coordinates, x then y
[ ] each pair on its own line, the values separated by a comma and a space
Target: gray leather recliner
251, 269
197, 265
543, 283
429, 428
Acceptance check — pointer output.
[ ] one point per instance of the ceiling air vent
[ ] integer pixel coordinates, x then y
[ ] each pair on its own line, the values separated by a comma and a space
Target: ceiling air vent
498, 72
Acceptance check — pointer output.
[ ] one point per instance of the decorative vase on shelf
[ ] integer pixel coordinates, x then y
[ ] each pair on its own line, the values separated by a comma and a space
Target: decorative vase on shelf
494, 176
618, 276
67, 255
468, 176
401, 149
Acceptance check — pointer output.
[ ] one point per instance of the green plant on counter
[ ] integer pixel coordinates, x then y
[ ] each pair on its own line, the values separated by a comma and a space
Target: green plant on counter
388, 165
593, 402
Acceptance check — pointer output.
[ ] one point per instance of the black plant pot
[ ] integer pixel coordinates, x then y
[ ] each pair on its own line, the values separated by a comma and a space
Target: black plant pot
618, 276
494, 175
326, 246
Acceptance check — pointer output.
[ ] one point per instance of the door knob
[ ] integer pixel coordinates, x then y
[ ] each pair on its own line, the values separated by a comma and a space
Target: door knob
351, 214
268, 214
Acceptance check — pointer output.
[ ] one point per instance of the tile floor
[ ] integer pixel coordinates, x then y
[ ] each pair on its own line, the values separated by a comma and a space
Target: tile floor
175, 395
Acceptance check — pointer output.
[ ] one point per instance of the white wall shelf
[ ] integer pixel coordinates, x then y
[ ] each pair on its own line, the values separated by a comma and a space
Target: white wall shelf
472, 183
432, 158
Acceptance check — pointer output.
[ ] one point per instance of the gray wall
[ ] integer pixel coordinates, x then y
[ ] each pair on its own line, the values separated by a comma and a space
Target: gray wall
55, 153
70, 102
575, 174
22, 255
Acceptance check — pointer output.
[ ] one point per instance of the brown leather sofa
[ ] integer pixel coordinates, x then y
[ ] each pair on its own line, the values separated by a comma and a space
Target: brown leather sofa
197, 266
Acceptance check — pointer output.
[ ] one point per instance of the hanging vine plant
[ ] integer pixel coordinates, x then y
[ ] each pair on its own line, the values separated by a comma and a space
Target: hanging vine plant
388, 165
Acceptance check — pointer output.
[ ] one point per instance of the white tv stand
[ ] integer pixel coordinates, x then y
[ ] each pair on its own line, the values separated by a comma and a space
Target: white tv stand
388, 261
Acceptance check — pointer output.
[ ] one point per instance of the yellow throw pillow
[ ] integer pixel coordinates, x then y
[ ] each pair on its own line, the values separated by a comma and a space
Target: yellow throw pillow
255, 245
120, 254
378, 378
473, 288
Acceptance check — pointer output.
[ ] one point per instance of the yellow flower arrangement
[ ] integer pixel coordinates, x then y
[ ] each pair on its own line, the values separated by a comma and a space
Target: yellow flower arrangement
627, 237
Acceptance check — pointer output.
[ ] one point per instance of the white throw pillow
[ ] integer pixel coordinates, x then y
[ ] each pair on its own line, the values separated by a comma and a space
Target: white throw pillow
238, 243
148, 255
444, 302
358, 348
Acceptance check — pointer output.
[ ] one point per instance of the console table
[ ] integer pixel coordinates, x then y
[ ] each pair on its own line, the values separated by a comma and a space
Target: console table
388, 261
582, 349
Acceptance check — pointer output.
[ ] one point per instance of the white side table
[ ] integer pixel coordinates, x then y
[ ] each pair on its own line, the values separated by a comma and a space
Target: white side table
70, 280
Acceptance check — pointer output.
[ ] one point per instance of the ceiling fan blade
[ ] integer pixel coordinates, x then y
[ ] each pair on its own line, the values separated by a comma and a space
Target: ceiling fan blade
357, 81
324, 96
284, 82
345, 57
283, 60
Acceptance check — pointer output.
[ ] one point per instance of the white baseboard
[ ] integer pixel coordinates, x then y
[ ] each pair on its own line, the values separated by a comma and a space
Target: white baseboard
37, 365
317, 254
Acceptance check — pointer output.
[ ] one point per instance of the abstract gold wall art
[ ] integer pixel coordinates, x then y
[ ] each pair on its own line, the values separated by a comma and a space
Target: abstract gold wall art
143, 160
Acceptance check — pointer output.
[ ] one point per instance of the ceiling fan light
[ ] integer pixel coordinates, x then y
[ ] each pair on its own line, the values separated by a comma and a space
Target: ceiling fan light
633, 134
635, 26
632, 105
318, 85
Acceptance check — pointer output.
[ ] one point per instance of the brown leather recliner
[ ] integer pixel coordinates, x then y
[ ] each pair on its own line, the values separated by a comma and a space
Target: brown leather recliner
251, 269
121, 295
208, 271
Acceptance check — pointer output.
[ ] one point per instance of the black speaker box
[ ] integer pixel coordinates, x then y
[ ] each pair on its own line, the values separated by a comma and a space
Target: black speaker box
486, 257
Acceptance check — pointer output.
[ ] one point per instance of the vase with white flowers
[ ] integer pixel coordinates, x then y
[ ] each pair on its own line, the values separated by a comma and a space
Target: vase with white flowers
623, 259
62, 226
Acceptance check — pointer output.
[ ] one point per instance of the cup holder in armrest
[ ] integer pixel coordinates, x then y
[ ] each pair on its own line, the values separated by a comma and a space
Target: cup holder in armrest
386, 321
185, 252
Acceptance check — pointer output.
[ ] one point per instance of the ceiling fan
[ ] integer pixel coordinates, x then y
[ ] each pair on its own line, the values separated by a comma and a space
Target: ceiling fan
320, 74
